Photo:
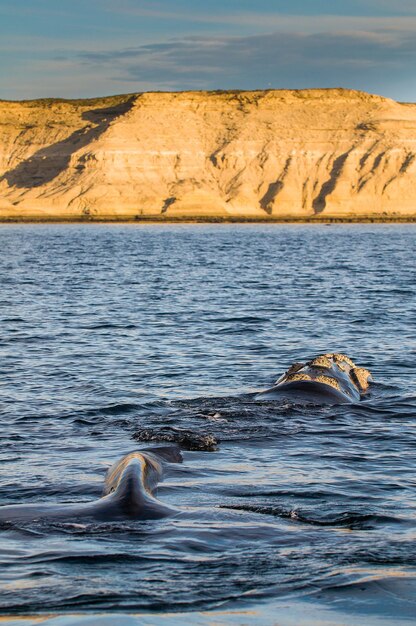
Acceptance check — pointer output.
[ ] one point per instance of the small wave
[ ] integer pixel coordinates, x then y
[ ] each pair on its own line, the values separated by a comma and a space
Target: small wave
16, 320
108, 325
346, 520
110, 409
243, 319
389, 593
95, 557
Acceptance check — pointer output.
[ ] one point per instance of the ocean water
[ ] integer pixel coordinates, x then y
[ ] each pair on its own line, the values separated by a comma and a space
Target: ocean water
112, 330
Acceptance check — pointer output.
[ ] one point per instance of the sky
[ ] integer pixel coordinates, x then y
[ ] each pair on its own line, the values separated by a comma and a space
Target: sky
89, 48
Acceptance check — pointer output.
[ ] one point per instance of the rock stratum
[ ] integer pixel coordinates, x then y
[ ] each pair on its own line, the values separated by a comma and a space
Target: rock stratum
308, 154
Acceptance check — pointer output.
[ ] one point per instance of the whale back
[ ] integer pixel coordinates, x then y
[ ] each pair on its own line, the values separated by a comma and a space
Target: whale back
130, 483
128, 493
142, 467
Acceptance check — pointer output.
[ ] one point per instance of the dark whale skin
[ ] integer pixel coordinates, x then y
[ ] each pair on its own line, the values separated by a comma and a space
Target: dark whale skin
307, 392
128, 493
326, 379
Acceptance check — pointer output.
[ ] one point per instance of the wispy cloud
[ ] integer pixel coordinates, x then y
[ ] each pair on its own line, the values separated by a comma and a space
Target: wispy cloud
276, 20
278, 59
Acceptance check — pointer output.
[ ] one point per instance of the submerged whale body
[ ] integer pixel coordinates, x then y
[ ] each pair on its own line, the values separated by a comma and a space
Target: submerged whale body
128, 493
327, 379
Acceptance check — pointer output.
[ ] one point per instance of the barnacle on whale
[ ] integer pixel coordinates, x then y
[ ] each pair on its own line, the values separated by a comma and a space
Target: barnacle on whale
328, 380
321, 361
360, 376
343, 358
295, 377
294, 368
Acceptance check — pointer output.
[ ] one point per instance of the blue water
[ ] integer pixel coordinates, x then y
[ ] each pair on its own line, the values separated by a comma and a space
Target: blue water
107, 330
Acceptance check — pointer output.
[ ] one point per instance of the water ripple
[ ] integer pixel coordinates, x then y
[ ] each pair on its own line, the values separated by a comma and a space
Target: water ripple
113, 336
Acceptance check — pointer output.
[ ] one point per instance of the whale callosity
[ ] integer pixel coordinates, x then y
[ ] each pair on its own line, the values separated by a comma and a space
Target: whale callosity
327, 378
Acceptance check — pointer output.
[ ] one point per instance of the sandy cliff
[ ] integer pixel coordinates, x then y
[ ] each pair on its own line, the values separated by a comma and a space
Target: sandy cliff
280, 154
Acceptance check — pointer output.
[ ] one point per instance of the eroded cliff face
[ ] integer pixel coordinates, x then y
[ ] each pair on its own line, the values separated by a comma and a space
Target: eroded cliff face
281, 154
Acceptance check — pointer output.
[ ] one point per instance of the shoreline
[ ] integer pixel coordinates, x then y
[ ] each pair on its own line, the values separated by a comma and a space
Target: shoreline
210, 220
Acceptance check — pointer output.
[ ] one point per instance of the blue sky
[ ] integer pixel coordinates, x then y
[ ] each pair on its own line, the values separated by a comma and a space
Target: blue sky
86, 48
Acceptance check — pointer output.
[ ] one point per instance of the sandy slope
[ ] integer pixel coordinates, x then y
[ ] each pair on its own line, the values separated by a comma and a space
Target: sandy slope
330, 153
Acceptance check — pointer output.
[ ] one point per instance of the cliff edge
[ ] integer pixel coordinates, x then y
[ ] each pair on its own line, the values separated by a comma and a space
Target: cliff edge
321, 153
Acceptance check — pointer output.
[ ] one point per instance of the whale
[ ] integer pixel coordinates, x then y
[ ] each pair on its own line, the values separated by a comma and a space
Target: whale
331, 378
129, 493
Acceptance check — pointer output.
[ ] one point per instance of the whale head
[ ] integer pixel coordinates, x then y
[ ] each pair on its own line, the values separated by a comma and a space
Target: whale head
329, 378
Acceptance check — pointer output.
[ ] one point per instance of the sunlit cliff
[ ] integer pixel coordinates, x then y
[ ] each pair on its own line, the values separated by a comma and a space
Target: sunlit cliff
329, 153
